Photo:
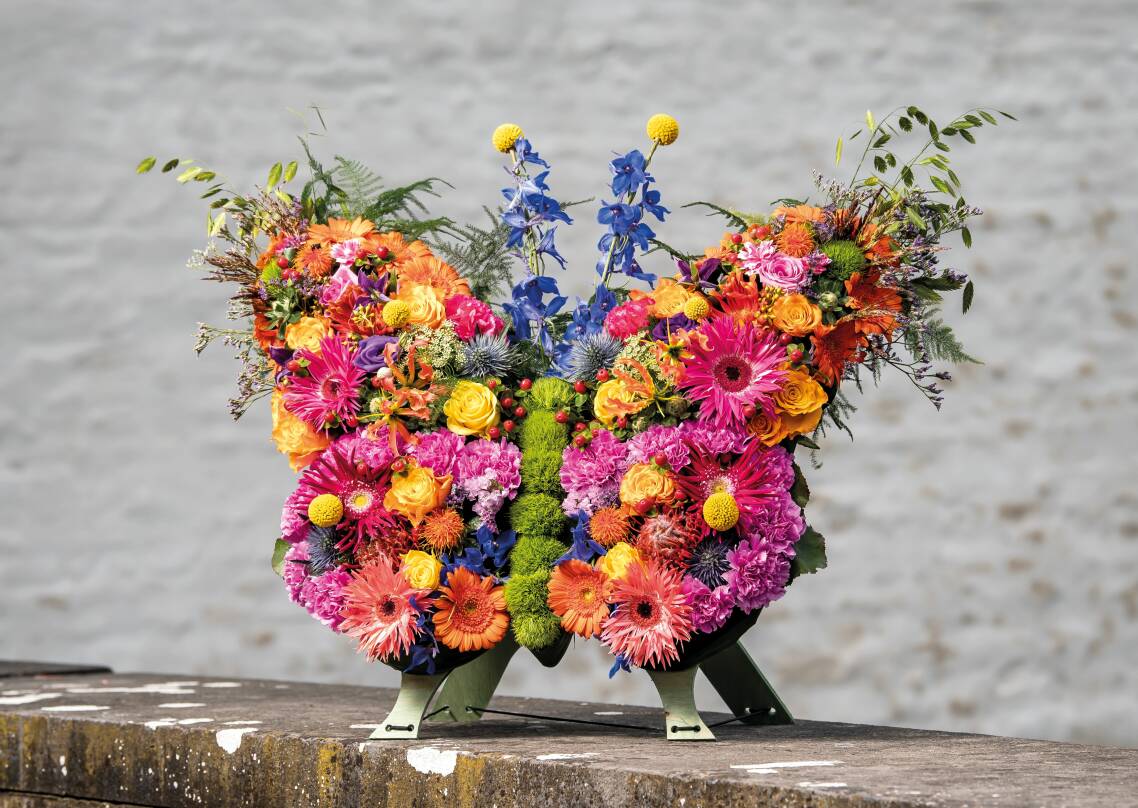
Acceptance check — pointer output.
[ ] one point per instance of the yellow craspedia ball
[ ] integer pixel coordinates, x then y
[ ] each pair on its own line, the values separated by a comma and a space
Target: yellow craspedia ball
696, 308
720, 511
505, 136
396, 313
326, 510
663, 129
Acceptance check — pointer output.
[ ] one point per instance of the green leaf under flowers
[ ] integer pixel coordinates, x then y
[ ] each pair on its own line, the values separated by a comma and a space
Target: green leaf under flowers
807, 442
289, 172
838, 152
966, 237
809, 553
279, 551
170, 165
274, 175
870, 122
189, 174
146, 165
966, 301
800, 491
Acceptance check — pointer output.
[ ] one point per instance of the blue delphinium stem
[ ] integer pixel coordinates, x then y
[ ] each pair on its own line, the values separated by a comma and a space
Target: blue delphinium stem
630, 180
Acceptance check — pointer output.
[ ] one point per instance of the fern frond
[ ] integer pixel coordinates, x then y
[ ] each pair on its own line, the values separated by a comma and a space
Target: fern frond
480, 254
360, 185
401, 202
936, 339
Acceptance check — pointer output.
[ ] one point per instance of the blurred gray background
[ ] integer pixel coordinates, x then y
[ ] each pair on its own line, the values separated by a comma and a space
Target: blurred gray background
983, 560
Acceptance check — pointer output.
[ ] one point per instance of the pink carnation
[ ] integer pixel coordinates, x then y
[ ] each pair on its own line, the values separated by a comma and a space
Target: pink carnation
774, 268
373, 446
295, 571
488, 472
472, 317
712, 440
438, 451
710, 608
777, 524
591, 475
294, 527
343, 280
757, 576
346, 252
666, 440
323, 596
628, 318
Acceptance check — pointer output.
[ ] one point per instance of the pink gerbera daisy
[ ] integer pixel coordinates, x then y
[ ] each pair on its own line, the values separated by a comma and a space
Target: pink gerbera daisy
732, 366
380, 611
341, 471
758, 479
331, 388
652, 615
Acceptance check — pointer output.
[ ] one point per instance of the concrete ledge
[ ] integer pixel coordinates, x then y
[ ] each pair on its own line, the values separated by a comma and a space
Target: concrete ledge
145, 740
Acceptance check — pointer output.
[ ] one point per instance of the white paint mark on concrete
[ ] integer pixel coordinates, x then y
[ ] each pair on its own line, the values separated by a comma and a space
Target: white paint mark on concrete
222, 684
187, 721
74, 708
792, 764
163, 688
568, 756
808, 784
429, 760
240, 723
28, 698
230, 739
364, 726
63, 765
180, 705
608, 712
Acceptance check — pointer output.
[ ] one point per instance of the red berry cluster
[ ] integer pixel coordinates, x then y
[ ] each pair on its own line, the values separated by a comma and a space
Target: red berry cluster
510, 406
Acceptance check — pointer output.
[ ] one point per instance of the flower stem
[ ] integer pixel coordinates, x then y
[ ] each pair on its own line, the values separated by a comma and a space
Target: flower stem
627, 201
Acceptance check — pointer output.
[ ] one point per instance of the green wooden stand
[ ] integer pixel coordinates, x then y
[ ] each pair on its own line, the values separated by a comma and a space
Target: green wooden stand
467, 689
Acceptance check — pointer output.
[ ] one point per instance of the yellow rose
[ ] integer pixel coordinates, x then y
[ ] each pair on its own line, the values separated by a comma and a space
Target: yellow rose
644, 480
306, 333
293, 437
421, 570
618, 559
800, 394
795, 315
416, 492
800, 424
614, 399
471, 409
425, 305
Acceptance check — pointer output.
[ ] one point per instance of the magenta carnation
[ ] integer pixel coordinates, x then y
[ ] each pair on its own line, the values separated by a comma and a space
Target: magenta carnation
711, 440
331, 388
294, 526
323, 596
777, 524
438, 450
757, 576
295, 571
591, 475
472, 317
375, 446
666, 440
628, 318
710, 608
488, 473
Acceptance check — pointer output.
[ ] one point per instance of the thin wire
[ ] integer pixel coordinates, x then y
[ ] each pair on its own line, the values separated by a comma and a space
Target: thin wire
560, 718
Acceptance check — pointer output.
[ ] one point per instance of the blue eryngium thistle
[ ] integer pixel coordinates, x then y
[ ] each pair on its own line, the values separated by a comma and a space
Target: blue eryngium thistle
708, 562
591, 353
322, 551
488, 355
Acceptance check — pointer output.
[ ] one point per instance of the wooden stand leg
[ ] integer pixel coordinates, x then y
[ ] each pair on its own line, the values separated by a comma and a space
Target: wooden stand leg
677, 694
473, 684
405, 718
740, 683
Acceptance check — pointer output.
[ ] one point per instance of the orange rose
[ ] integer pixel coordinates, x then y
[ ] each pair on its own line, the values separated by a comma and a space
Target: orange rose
795, 315
668, 298
647, 481
307, 332
294, 437
800, 394
416, 492
426, 306
614, 399
768, 429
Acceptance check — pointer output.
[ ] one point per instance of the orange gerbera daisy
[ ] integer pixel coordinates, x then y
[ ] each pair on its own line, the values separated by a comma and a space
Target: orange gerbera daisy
338, 230
314, 259
471, 612
795, 240
435, 273
800, 213
577, 596
399, 251
877, 306
834, 346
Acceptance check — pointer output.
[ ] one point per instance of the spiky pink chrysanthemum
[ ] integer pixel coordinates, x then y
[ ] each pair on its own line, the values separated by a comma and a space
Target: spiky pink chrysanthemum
652, 616
758, 479
380, 611
331, 388
341, 470
732, 366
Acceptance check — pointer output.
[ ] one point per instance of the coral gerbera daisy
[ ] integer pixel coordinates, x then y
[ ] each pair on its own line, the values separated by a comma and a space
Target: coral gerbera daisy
471, 612
339, 230
330, 390
342, 472
434, 273
380, 611
652, 616
732, 366
577, 596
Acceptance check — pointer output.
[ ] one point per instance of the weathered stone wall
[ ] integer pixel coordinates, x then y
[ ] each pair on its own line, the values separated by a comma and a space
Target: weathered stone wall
983, 560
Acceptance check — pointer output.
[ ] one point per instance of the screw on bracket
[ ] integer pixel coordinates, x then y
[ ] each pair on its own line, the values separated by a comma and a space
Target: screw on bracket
398, 727
692, 728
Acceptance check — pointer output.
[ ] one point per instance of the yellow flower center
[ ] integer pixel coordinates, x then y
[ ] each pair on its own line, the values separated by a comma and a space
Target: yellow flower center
663, 129
720, 511
325, 510
505, 136
396, 313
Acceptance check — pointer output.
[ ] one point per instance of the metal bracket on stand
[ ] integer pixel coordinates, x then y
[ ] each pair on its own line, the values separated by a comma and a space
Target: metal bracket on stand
742, 686
415, 691
677, 694
469, 688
